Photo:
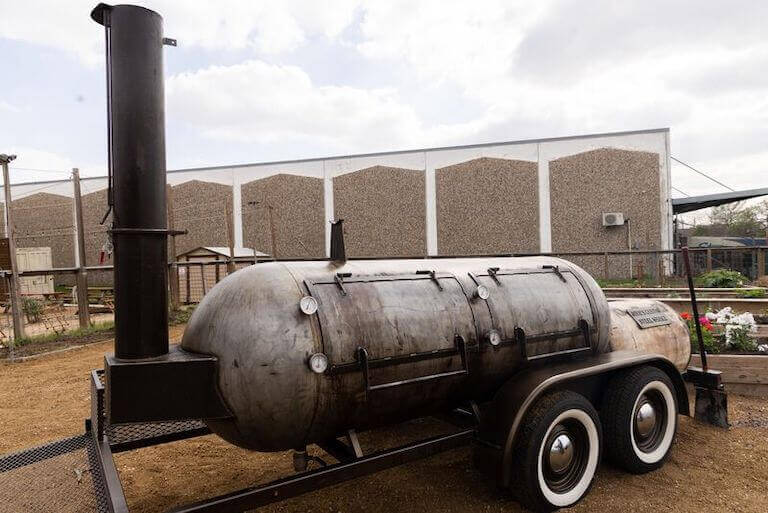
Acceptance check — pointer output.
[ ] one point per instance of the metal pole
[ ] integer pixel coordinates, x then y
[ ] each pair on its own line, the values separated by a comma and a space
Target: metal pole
18, 318
695, 308
83, 312
230, 238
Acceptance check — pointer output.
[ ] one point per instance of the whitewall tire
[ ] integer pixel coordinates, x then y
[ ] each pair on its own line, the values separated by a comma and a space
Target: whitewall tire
557, 452
639, 416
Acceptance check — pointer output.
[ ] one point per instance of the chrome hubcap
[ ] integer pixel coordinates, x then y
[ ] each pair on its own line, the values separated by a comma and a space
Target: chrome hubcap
645, 419
560, 453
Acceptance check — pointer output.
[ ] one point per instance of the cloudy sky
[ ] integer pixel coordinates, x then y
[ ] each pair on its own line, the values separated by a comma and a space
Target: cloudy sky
259, 80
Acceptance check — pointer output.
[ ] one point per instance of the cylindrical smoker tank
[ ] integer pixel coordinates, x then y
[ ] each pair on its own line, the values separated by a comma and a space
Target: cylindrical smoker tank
432, 332
669, 338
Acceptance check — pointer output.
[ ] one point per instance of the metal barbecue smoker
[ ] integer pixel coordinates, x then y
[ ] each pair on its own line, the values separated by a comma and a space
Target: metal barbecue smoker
523, 356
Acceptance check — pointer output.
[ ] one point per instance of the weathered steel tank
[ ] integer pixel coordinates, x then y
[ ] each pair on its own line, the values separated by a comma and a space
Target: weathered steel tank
391, 339
667, 335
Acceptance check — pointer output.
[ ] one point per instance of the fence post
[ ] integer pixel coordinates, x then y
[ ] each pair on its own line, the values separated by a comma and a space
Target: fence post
174, 268
15, 290
709, 260
660, 271
760, 262
83, 312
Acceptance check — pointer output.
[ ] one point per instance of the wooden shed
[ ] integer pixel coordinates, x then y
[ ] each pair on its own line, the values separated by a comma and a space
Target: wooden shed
196, 280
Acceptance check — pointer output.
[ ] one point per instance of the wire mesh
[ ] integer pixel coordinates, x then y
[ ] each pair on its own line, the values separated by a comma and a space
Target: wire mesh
62, 476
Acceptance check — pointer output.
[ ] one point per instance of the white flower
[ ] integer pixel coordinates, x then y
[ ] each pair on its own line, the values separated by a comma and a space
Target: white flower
711, 316
763, 348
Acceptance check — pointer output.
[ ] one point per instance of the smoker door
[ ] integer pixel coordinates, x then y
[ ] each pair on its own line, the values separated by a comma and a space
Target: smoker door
547, 305
400, 318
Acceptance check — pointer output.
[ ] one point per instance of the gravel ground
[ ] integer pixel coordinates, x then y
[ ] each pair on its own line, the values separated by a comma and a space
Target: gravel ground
708, 470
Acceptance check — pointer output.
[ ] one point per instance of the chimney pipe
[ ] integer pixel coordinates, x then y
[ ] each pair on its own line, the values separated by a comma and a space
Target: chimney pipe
137, 177
338, 250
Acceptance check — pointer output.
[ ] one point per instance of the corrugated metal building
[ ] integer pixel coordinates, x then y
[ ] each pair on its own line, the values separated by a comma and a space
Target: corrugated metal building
519, 196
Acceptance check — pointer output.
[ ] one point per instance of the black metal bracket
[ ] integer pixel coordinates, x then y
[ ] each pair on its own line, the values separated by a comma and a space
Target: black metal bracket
492, 271
189, 388
555, 269
146, 231
344, 451
709, 379
433, 276
339, 279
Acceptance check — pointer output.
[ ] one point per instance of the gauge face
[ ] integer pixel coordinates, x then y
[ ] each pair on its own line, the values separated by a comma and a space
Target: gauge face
308, 305
482, 292
494, 337
318, 363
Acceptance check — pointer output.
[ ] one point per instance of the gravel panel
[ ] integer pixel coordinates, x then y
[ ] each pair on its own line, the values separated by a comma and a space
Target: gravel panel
584, 186
383, 210
201, 209
298, 214
487, 206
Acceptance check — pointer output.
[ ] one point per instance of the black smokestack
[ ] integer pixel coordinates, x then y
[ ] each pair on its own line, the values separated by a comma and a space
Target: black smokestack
136, 132
338, 251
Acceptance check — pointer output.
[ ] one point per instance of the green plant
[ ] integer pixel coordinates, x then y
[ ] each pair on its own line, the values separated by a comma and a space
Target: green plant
722, 278
181, 316
32, 309
622, 283
72, 335
752, 293
738, 338
711, 343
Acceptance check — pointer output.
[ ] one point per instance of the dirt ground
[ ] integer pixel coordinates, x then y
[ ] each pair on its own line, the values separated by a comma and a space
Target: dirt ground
708, 470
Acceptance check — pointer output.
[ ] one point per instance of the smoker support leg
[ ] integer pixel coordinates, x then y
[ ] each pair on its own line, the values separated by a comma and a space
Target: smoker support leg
712, 406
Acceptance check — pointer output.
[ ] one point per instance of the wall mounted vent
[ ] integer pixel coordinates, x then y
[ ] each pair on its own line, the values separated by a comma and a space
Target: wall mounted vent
613, 219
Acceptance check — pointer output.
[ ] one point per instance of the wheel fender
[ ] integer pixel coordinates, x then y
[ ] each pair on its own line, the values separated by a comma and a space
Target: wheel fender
516, 396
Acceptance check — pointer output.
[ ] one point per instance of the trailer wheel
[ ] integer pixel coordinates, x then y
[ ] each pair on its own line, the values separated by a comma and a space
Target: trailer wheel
639, 417
557, 452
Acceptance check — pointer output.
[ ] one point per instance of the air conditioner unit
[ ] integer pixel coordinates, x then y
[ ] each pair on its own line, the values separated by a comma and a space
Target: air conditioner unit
613, 219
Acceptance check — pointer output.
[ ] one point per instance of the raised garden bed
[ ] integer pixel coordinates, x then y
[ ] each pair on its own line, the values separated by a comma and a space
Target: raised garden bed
745, 374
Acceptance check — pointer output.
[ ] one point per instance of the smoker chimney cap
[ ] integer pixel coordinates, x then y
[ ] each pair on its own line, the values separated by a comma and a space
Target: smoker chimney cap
97, 14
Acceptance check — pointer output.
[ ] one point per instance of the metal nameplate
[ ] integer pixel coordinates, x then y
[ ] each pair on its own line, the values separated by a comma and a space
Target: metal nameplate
649, 316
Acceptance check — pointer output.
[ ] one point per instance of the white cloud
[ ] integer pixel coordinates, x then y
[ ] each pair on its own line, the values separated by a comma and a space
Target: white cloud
7, 107
527, 69
272, 26
259, 102
33, 164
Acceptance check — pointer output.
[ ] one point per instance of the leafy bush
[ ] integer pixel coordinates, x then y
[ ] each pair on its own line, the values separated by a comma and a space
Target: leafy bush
752, 293
738, 339
181, 316
710, 341
738, 328
722, 278
32, 309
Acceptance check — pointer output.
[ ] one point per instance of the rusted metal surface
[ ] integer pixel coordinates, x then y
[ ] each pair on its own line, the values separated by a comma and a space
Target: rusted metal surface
670, 340
398, 311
